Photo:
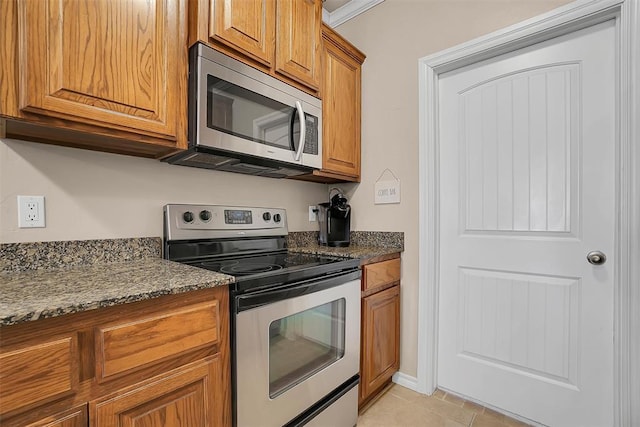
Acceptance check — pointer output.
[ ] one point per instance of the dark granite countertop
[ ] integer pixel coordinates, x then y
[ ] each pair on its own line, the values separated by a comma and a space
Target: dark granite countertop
37, 294
48, 279
364, 244
351, 251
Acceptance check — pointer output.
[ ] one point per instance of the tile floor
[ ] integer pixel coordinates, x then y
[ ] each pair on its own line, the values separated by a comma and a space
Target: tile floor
401, 407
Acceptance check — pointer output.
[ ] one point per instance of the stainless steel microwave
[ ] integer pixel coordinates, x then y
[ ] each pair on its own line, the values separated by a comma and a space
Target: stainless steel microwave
243, 120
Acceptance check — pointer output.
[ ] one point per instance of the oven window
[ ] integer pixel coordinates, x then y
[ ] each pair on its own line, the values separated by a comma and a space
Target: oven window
304, 343
240, 112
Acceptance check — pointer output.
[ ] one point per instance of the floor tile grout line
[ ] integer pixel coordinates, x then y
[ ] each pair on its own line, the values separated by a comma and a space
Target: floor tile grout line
471, 414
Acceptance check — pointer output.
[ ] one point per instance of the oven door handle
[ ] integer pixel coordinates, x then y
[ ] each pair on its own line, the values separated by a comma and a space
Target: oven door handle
258, 299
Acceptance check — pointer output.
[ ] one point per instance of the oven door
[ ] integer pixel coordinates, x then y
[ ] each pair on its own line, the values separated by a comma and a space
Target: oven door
293, 351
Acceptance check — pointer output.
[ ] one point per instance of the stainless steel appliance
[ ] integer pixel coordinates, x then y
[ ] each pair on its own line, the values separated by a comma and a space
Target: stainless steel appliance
243, 120
334, 220
295, 318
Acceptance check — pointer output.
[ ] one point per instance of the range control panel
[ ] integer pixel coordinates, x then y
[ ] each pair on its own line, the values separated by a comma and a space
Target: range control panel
185, 221
238, 216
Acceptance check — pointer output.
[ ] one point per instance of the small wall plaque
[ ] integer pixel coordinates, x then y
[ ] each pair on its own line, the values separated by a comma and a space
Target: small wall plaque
387, 191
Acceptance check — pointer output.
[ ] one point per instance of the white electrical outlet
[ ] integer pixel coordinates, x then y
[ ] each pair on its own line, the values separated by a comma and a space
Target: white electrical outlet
313, 213
30, 211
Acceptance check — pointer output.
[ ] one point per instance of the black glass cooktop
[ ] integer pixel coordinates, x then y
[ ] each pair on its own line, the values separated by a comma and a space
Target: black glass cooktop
268, 270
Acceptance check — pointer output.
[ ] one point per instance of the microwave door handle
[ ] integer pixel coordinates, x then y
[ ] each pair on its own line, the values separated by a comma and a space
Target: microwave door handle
303, 130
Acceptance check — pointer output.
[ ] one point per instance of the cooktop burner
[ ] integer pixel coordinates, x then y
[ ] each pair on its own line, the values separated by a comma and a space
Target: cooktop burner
266, 270
265, 264
236, 268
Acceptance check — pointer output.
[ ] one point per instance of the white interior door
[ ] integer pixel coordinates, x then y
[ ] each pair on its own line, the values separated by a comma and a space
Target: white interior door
527, 157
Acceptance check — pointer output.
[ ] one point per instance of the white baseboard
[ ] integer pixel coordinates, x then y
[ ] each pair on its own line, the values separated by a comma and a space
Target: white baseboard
405, 381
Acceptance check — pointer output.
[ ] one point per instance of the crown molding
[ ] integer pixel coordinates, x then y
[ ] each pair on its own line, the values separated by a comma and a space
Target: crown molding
347, 12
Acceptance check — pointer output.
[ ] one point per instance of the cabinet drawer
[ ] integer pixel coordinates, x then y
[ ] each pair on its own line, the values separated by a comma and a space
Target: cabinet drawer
123, 347
38, 373
75, 417
380, 273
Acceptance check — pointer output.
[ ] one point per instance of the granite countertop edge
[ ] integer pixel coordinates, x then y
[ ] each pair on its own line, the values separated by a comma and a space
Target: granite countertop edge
352, 251
32, 295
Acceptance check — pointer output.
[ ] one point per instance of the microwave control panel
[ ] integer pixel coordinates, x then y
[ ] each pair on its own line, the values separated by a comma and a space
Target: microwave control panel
311, 138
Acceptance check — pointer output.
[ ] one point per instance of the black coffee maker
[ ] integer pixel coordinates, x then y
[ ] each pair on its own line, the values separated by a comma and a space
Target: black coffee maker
334, 219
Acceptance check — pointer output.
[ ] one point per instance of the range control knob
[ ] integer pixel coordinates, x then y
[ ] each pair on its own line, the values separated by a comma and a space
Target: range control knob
277, 218
205, 215
266, 216
187, 216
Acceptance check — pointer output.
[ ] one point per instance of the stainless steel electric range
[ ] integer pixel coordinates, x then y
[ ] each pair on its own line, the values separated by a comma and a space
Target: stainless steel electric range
295, 318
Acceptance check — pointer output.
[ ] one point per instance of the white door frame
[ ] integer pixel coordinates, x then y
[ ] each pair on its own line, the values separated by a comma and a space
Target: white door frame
568, 18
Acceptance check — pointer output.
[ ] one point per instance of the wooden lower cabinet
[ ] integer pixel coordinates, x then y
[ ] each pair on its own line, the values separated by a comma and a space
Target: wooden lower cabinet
181, 398
48, 372
380, 331
76, 417
160, 362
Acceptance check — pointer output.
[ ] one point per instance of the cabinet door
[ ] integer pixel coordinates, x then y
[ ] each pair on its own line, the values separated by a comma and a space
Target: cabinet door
340, 111
246, 26
298, 37
117, 64
191, 396
380, 339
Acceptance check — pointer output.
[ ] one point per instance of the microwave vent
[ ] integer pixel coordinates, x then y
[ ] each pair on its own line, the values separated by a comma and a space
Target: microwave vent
208, 161
244, 165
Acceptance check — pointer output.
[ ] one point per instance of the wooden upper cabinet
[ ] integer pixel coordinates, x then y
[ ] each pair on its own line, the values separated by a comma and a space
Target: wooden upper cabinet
104, 65
340, 90
245, 25
341, 106
279, 37
298, 39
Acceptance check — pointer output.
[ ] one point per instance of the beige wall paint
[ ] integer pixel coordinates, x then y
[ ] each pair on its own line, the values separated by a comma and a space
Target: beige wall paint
394, 35
91, 195
96, 195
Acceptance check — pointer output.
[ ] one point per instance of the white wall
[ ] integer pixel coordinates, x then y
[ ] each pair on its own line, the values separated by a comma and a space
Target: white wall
394, 35
92, 195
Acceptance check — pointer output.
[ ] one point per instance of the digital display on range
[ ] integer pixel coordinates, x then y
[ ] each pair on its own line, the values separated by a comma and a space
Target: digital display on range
237, 217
